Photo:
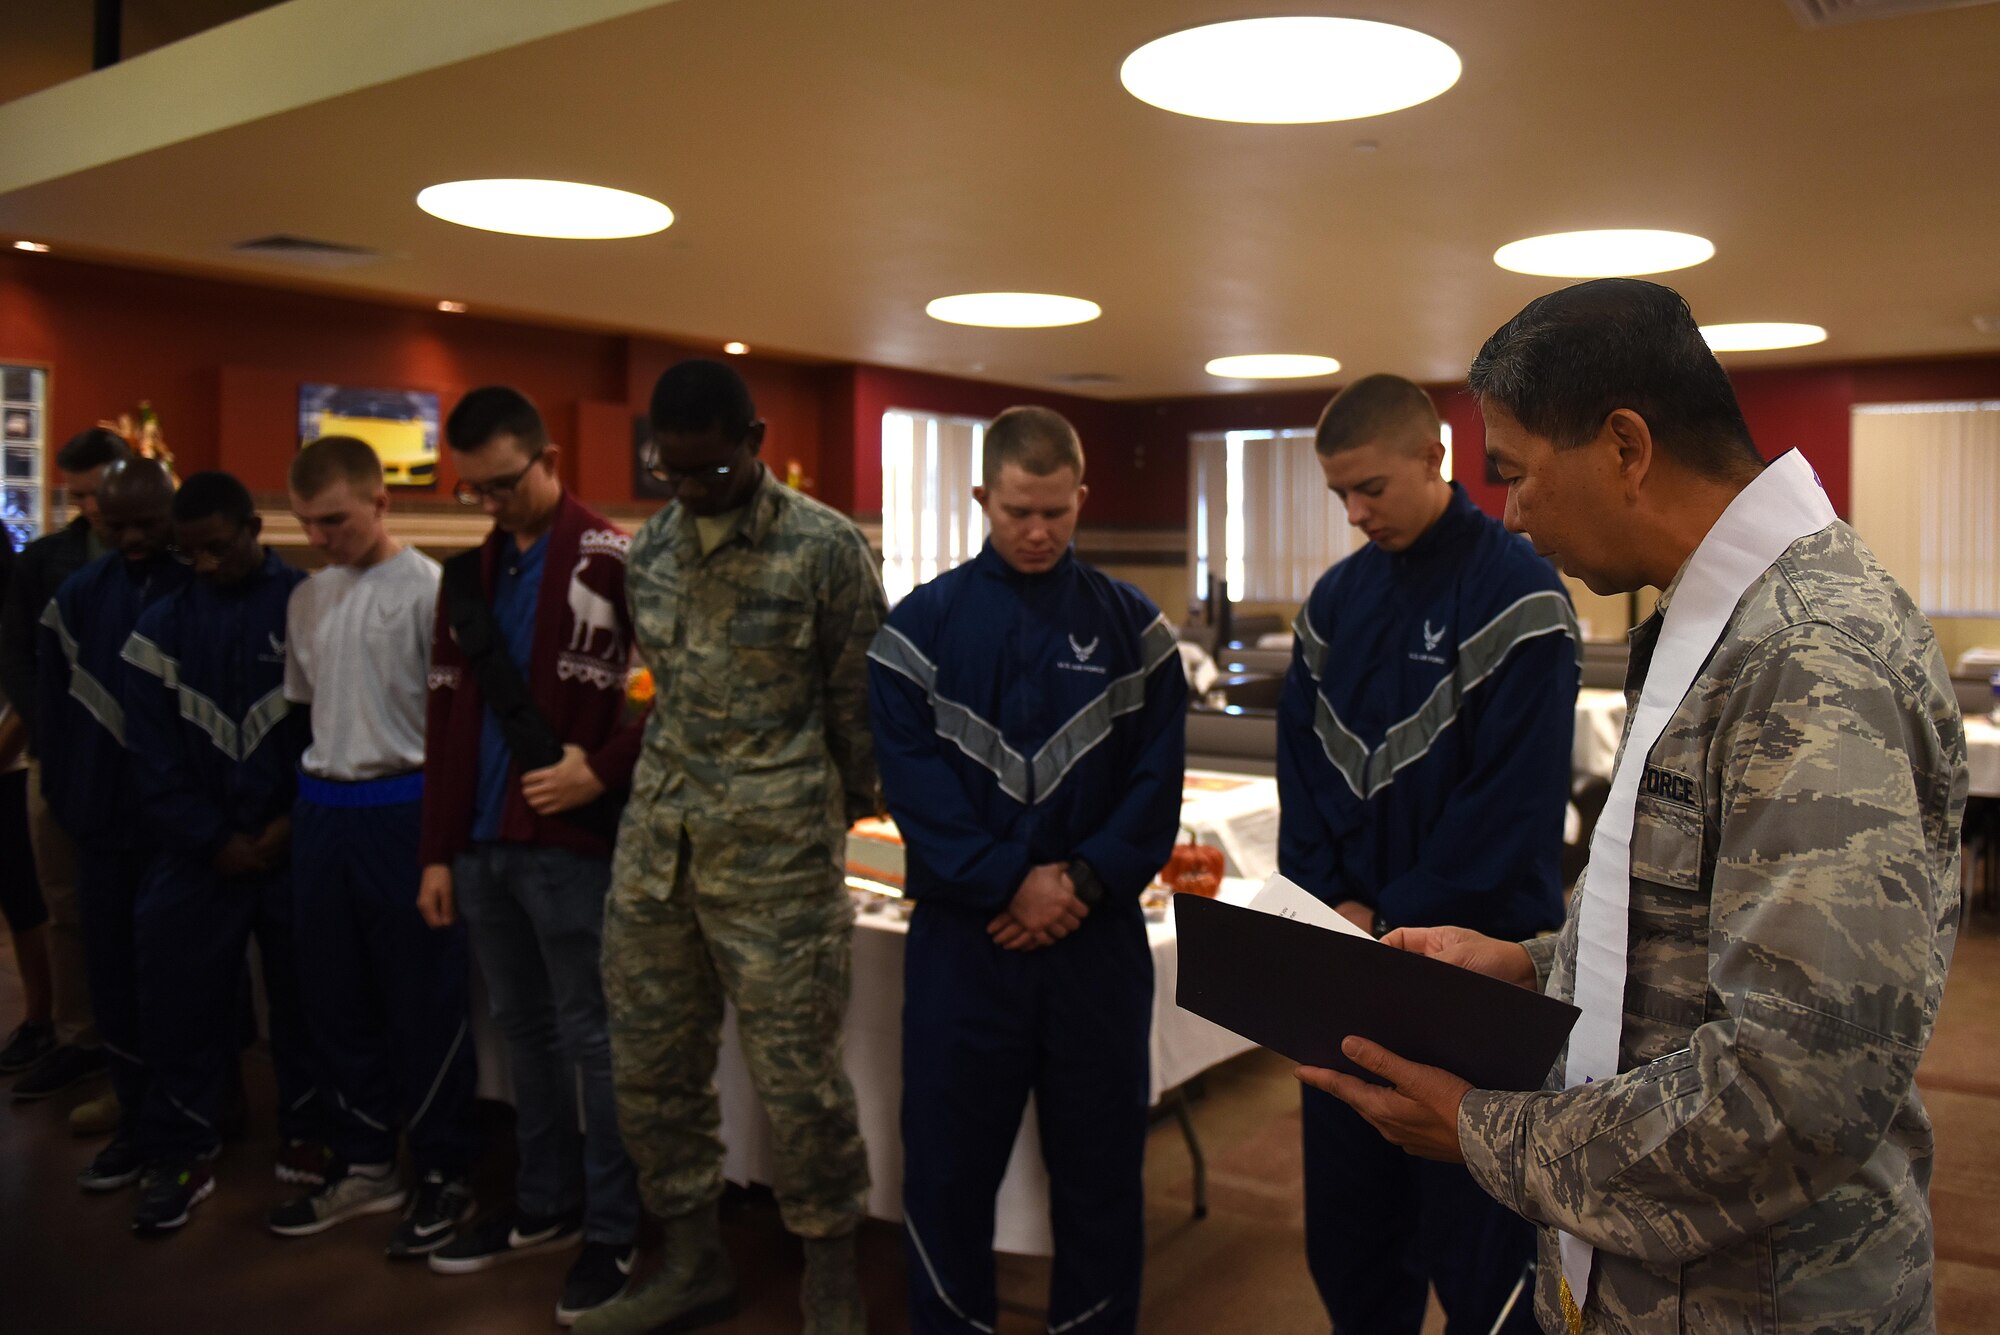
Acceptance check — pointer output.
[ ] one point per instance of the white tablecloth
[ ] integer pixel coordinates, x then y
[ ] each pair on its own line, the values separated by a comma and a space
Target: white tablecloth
1982, 756
1600, 719
1237, 813
1183, 1046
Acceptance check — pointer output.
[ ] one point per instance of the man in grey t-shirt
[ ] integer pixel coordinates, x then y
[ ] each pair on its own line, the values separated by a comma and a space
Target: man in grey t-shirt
385, 993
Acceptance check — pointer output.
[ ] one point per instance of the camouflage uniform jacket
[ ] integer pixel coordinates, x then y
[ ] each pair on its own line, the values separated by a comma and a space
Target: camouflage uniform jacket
1762, 1160
758, 745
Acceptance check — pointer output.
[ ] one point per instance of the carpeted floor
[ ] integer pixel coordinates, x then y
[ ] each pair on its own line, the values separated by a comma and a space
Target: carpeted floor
69, 1265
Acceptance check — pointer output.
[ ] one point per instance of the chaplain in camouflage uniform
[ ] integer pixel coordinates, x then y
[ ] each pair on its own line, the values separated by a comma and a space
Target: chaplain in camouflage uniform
754, 607
1760, 1159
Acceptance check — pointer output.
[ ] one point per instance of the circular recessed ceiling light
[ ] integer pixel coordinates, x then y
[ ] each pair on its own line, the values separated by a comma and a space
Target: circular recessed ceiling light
1754, 337
1617, 253
563, 209
32, 247
735, 349
1290, 71
452, 307
1271, 366
1012, 310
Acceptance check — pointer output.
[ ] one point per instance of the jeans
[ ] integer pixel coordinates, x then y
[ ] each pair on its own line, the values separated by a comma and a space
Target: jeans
537, 922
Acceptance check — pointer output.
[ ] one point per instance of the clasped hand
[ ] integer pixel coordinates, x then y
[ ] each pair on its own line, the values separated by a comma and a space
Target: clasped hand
564, 786
1418, 1108
1043, 911
244, 854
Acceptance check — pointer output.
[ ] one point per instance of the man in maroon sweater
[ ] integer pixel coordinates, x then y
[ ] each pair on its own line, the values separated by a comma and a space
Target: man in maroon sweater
526, 855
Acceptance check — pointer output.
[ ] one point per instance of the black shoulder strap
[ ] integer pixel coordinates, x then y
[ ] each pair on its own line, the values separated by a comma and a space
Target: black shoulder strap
529, 736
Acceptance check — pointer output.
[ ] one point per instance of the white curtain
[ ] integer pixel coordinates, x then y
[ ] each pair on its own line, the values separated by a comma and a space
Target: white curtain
1926, 499
930, 465
1260, 516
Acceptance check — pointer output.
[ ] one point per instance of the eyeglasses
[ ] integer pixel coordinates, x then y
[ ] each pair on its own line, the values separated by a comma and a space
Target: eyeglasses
674, 477
472, 493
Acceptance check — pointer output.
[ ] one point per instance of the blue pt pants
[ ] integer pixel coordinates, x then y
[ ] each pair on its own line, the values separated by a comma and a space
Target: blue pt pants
1382, 1227
982, 1029
386, 995
193, 930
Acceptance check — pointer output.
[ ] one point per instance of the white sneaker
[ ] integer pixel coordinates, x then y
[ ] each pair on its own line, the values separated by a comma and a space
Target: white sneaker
353, 1193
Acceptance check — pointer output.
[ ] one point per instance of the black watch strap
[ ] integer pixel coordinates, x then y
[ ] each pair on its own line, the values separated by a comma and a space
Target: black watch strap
1088, 888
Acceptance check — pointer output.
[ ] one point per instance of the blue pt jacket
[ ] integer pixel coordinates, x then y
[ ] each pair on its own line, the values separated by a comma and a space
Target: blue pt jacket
1027, 719
79, 674
1424, 731
215, 745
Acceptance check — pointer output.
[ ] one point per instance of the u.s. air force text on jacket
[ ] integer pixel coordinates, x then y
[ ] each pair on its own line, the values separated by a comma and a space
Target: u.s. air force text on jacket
1761, 1161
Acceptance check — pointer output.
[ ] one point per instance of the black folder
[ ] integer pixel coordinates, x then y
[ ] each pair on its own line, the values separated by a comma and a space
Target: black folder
1299, 990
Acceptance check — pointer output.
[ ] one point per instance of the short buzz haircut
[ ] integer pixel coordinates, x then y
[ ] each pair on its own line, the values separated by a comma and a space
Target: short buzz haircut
700, 393
332, 459
92, 449
495, 410
1036, 440
1384, 408
1573, 357
213, 493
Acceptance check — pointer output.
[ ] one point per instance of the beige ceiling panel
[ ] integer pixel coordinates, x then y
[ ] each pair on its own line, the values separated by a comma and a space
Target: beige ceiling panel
832, 167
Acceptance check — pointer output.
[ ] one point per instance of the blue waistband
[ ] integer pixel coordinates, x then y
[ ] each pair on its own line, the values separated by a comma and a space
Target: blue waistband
392, 791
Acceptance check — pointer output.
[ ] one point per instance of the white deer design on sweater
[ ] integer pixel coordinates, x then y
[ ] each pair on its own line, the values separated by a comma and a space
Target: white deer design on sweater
589, 611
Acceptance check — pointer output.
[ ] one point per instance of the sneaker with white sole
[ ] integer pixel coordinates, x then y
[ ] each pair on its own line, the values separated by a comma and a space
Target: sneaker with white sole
349, 1194
116, 1165
437, 1207
601, 1273
503, 1237
168, 1195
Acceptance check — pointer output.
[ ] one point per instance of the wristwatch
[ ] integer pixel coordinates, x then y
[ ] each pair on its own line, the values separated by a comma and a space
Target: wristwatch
1088, 888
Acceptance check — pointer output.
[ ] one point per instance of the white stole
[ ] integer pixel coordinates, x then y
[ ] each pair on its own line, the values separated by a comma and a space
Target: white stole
1784, 504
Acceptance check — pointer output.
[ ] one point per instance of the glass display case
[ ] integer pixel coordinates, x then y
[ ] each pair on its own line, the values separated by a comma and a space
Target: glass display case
24, 464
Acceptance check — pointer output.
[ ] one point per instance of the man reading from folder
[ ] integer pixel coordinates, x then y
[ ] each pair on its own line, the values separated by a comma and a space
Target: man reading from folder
1760, 943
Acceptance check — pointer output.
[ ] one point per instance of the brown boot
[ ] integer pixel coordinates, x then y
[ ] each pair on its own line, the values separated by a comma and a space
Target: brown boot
830, 1293
95, 1117
695, 1286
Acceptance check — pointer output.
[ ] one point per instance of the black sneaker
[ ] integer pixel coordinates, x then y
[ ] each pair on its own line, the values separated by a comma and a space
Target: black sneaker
600, 1274
345, 1196
437, 1208
116, 1165
58, 1071
167, 1195
503, 1237
27, 1046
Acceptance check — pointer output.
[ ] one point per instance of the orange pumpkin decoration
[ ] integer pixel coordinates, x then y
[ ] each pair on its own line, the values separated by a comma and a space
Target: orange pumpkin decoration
1194, 869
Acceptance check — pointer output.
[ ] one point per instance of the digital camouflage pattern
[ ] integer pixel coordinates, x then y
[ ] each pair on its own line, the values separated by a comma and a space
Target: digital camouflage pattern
1762, 1161
728, 879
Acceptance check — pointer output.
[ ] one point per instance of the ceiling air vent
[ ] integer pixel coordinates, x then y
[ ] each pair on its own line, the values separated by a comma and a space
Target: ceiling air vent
1086, 378
1831, 13
304, 250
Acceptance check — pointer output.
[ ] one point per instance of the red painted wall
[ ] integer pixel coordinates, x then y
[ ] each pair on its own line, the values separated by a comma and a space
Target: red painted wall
222, 363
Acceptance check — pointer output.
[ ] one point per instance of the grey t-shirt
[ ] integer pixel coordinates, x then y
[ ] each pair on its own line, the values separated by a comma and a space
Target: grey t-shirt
358, 650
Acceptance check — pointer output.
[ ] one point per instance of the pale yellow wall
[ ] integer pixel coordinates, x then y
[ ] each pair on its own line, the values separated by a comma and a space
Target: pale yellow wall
1957, 634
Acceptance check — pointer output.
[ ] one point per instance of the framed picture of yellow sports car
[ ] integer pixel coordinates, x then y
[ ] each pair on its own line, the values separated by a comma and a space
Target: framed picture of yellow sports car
401, 425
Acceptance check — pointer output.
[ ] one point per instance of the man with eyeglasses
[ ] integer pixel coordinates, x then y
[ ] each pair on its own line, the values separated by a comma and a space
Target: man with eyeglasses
386, 993
215, 753
68, 1051
79, 678
754, 606
534, 621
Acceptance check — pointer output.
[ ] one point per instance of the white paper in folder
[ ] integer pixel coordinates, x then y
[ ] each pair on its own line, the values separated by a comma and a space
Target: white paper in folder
1288, 899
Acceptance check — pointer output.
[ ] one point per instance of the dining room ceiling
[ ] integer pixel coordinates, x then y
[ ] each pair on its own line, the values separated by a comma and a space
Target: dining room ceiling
833, 168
